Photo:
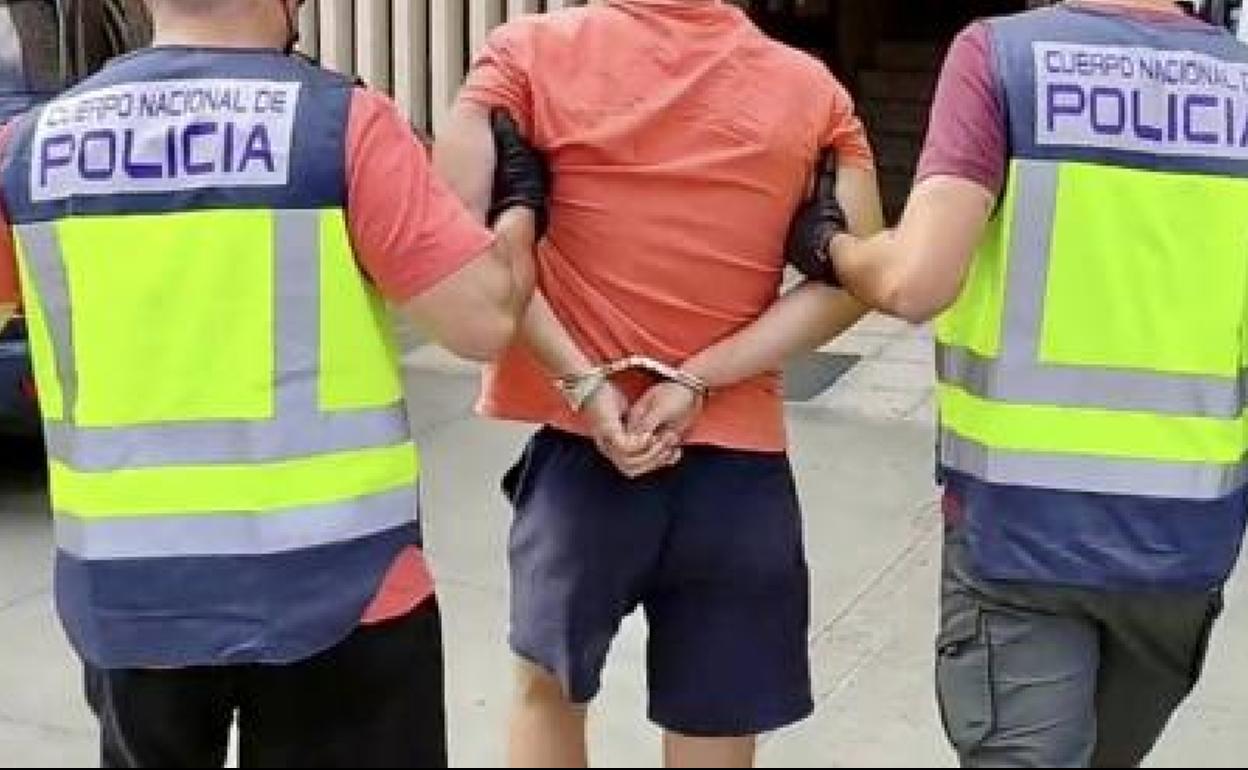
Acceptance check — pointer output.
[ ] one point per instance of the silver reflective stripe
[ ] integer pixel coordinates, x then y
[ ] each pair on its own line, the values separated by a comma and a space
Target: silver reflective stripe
1027, 276
289, 436
1017, 375
297, 311
1116, 389
234, 534
42, 250
1092, 473
298, 427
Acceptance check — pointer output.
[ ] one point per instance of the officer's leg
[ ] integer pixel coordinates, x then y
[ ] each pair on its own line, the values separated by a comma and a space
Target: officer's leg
1152, 652
1015, 680
161, 718
374, 700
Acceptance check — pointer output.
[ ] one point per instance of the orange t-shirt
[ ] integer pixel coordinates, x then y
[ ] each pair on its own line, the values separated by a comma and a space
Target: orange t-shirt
681, 140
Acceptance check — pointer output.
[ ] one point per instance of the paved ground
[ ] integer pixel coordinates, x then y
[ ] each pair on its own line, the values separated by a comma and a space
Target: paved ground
862, 450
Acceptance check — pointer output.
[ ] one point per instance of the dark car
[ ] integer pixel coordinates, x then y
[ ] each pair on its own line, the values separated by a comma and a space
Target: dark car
45, 47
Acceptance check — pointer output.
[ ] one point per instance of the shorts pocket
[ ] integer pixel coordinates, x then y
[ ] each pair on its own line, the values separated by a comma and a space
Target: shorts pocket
964, 680
518, 479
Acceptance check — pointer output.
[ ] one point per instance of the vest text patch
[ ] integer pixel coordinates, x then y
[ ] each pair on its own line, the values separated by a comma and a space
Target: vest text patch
1140, 100
165, 136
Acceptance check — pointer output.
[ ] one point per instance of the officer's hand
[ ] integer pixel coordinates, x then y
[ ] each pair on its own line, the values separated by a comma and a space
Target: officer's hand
818, 220
521, 177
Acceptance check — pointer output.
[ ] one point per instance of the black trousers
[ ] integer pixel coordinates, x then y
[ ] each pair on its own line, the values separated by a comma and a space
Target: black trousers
374, 700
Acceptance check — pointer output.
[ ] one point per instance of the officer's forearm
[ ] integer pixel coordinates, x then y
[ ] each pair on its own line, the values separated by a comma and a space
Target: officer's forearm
798, 322
917, 270
6, 312
876, 271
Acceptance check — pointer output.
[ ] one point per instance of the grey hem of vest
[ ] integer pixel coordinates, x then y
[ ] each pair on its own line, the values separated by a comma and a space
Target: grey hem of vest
234, 534
1092, 473
1220, 398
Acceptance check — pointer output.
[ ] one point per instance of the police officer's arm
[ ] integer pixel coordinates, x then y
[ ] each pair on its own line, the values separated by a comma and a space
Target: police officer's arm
465, 155
916, 271
464, 286
475, 312
6, 312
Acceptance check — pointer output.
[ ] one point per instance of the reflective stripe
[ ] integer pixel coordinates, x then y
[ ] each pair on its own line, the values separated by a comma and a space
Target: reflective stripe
1092, 473
296, 317
298, 427
285, 437
234, 534
42, 251
1017, 376
1085, 386
1027, 272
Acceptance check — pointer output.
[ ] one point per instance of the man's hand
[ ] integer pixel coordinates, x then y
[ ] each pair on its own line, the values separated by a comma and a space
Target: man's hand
668, 410
521, 177
633, 454
818, 220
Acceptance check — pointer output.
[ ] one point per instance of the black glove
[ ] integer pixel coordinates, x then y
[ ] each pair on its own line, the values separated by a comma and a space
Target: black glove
520, 174
816, 222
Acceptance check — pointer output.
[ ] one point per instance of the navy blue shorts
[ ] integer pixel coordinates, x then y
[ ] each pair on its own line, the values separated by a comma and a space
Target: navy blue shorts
711, 549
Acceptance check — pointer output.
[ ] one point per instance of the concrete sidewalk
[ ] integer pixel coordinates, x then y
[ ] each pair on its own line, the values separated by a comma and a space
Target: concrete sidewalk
862, 452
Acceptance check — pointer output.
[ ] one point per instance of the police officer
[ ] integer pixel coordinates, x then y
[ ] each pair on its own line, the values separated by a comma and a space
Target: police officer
1078, 225
207, 233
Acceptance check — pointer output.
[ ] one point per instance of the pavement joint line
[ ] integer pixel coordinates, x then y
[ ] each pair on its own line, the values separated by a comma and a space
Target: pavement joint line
429, 431
16, 721
924, 537
22, 598
921, 538
470, 585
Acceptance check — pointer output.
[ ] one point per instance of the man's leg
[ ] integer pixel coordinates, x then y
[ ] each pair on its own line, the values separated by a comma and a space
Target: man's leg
729, 610
690, 751
546, 729
162, 718
374, 700
1152, 652
584, 542
1016, 672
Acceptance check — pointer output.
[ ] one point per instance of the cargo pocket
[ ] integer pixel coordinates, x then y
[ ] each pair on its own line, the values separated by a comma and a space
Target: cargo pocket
964, 680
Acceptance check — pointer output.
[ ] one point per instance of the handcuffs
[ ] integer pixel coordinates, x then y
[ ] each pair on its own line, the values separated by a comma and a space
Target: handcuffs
579, 388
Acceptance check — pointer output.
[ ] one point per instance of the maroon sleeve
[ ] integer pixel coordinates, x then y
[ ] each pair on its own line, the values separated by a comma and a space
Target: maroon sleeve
10, 293
966, 136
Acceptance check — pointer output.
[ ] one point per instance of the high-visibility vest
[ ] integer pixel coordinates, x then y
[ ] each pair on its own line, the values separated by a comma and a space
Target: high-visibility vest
1091, 375
232, 470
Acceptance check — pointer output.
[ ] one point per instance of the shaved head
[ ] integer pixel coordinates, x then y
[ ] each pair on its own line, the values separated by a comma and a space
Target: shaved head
260, 23
197, 6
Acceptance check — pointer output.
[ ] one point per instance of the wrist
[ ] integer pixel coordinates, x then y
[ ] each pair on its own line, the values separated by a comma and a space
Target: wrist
704, 370
838, 247
518, 224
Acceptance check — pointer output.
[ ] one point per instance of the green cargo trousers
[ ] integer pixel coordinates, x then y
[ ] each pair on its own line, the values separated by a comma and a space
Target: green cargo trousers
1034, 675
